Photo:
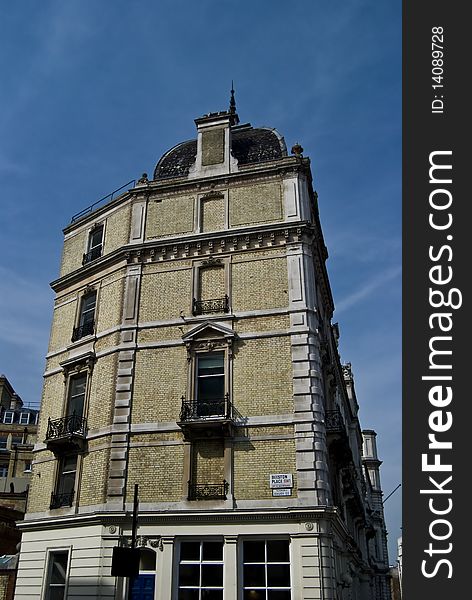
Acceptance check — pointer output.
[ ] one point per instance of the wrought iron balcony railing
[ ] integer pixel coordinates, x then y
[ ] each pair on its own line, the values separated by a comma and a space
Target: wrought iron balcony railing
92, 254
59, 500
334, 421
203, 409
216, 305
207, 491
66, 426
83, 330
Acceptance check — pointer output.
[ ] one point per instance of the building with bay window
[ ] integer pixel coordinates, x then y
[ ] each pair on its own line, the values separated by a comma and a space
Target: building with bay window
192, 353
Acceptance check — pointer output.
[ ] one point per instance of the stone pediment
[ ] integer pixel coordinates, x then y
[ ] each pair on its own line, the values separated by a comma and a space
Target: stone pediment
209, 331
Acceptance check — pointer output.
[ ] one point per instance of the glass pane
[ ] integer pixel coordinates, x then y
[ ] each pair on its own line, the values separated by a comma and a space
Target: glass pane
212, 575
77, 385
56, 593
189, 574
278, 575
254, 595
254, 551
212, 551
212, 594
211, 387
147, 560
277, 551
254, 575
69, 464
88, 302
188, 595
211, 365
58, 568
96, 237
190, 551
279, 595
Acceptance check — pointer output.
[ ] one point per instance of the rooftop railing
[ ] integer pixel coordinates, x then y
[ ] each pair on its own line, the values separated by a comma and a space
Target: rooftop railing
95, 205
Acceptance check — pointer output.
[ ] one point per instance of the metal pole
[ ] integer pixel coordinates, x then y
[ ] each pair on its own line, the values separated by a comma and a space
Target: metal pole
391, 493
135, 517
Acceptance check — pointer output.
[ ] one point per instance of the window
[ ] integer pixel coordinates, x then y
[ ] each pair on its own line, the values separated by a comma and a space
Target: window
210, 384
25, 418
8, 416
56, 575
266, 570
28, 465
3, 442
201, 570
86, 319
64, 494
76, 397
4, 470
95, 243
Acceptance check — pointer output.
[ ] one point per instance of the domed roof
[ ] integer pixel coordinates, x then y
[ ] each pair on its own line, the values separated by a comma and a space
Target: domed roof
248, 145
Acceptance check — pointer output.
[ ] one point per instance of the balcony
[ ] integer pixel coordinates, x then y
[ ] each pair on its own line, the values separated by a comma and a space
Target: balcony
67, 434
334, 422
92, 254
206, 307
60, 500
336, 437
207, 491
83, 330
212, 417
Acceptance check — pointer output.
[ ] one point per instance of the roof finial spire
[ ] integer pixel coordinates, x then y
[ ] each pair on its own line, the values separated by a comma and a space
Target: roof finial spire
232, 105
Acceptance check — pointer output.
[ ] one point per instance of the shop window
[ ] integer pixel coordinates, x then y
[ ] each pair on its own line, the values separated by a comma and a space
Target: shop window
200, 575
266, 570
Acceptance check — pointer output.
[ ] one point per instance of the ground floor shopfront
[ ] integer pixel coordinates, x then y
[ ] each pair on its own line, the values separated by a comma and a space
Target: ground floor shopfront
283, 555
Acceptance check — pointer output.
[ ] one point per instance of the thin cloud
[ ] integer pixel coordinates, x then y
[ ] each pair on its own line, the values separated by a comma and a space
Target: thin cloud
367, 289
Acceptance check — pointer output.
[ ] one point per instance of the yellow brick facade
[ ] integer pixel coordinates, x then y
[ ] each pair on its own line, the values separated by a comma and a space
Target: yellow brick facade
262, 377
101, 392
73, 251
259, 284
62, 326
160, 381
165, 294
207, 462
212, 214
250, 204
117, 229
110, 303
211, 282
94, 477
170, 216
255, 461
42, 484
158, 471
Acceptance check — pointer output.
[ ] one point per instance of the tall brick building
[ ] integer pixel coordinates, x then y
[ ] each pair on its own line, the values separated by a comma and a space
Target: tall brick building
192, 353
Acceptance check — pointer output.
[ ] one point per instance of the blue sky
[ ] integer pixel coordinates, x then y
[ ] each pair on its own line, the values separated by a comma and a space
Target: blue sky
93, 92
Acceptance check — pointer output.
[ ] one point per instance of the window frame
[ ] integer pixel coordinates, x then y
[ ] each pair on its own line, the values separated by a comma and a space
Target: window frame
23, 414
48, 571
4, 468
91, 250
82, 320
61, 474
200, 563
10, 413
241, 563
223, 262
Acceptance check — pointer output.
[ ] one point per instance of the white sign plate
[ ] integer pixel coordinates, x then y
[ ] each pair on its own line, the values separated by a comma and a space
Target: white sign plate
282, 492
281, 480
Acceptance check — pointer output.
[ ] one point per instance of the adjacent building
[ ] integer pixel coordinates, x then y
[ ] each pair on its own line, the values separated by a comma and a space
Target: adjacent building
18, 429
192, 353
